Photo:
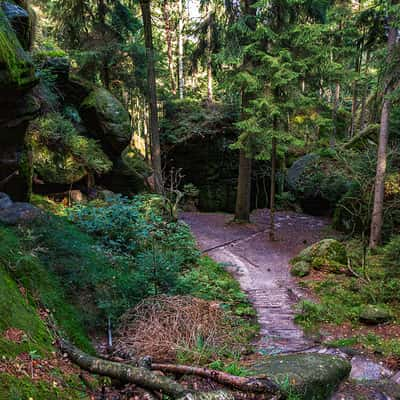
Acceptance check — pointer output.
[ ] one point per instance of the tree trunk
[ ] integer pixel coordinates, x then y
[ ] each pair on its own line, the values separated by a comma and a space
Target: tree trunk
209, 59
379, 193
335, 107
242, 210
272, 192
252, 385
180, 50
152, 95
168, 38
136, 375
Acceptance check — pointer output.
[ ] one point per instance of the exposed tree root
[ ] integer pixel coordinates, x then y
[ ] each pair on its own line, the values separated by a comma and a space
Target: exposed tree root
253, 385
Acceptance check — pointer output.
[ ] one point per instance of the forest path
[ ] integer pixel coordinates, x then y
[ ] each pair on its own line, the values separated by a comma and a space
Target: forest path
262, 266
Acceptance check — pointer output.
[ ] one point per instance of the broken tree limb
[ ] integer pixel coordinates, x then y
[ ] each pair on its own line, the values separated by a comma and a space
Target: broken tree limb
253, 385
139, 376
367, 131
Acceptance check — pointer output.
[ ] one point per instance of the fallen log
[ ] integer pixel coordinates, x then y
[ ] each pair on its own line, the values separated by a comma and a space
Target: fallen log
139, 376
253, 385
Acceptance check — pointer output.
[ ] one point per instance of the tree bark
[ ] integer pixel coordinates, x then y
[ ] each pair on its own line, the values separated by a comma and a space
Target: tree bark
136, 375
272, 192
252, 385
209, 59
242, 210
180, 50
379, 192
243, 195
152, 95
335, 107
168, 38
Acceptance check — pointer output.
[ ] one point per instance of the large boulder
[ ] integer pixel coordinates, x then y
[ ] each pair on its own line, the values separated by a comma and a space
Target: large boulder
107, 119
309, 376
328, 254
17, 73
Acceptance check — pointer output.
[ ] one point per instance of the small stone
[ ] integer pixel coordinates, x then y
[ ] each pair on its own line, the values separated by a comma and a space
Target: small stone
365, 370
374, 315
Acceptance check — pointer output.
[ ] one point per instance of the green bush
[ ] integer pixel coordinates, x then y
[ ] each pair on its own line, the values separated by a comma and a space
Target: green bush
61, 155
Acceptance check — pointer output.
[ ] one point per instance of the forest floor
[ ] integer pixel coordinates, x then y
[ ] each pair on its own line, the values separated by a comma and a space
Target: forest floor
262, 266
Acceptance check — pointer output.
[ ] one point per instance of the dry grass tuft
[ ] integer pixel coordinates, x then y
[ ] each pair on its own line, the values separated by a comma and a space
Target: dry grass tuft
166, 327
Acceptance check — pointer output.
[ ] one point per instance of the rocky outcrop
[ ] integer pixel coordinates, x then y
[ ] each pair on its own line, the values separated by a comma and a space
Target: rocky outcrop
17, 106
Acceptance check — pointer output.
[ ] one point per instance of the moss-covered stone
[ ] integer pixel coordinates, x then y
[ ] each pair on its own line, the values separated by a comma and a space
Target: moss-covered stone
16, 68
300, 269
107, 119
329, 249
309, 376
374, 314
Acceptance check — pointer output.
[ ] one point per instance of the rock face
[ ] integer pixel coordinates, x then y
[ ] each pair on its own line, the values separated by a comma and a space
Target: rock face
17, 106
309, 376
107, 120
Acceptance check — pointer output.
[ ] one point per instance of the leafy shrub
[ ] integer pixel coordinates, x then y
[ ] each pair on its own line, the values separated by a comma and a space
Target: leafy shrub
128, 226
61, 155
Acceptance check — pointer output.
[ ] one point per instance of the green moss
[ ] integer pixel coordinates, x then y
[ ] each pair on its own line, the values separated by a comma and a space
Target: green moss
13, 388
43, 286
16, 312
17, 68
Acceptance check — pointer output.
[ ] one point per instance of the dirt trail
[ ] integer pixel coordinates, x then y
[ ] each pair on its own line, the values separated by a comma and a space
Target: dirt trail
262, 267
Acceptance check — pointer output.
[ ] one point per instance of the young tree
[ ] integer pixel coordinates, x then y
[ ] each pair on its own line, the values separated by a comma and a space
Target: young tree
152, 96
391, 81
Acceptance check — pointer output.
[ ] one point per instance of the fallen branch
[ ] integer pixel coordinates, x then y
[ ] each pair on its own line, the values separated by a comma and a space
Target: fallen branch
138, 376
253, 385
8, 178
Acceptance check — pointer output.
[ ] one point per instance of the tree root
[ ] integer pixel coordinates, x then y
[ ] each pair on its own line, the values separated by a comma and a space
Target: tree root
253, 385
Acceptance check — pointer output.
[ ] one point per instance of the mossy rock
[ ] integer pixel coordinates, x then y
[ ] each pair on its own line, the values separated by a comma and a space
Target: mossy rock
300, 269
374, 315
16, 68
135, 162
327, 249
309, 376
107, 119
